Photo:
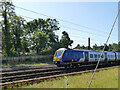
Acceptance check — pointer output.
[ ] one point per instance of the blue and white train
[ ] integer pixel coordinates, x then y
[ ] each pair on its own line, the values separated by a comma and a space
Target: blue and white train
66, 57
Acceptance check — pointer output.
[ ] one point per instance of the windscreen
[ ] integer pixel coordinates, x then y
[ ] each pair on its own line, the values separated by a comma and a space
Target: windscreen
59, 53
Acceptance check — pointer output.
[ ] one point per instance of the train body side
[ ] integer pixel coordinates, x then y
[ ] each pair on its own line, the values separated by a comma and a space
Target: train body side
72, 56
83, 56
118, 56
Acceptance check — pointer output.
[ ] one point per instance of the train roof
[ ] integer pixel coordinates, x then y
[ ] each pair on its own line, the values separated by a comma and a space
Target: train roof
85, 50
62, 49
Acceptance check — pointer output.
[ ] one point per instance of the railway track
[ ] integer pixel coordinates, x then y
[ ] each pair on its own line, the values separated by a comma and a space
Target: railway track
16, 68
36, 75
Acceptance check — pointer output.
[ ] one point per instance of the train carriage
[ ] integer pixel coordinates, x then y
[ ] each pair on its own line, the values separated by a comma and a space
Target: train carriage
95, 55
118, 56
65, 56
111, 56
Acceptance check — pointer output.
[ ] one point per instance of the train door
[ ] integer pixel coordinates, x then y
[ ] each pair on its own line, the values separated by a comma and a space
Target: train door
105, 56
86, 56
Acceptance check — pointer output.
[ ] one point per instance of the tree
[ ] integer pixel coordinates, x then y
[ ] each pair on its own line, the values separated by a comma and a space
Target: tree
39, 41
17, 32
7, 13
48, 26
110, 47
118, 46
95, 47
83, 47
65, 40
25, 45
115, 47
106, 48
77, 47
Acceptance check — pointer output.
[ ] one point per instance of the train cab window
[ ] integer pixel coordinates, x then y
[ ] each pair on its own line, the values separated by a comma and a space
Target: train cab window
95, 55
59, 53
91, 55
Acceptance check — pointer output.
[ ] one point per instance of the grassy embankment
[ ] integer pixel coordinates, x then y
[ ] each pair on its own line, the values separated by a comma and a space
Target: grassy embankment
103, 79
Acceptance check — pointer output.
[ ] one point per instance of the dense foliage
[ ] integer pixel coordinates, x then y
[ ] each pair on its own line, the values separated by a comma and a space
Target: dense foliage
20, 37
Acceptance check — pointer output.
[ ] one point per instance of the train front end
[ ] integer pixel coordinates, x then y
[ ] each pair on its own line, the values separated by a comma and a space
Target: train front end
57, 59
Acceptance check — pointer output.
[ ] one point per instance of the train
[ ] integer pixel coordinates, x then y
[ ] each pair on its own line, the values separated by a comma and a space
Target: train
73, 57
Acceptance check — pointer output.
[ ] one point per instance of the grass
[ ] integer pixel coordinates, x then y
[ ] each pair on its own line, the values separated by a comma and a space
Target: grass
103, 79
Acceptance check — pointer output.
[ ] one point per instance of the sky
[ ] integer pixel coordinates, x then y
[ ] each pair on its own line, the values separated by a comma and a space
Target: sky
87, 19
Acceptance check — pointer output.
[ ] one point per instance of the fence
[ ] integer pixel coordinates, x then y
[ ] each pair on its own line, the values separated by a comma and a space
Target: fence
27, 59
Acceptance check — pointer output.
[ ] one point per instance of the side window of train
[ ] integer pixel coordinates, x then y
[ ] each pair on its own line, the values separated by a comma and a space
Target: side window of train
110, 56
95, 55
66, 54
75, 55
102, 56
113, 56
105, 55
91, 55
98, 55
80, 55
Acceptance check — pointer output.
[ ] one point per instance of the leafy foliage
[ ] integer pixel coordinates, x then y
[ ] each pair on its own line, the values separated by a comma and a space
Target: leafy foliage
39, 41
65, 40
7, 13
